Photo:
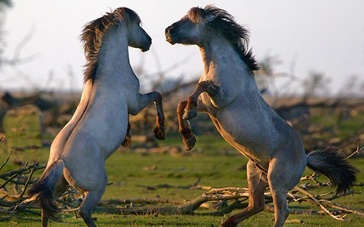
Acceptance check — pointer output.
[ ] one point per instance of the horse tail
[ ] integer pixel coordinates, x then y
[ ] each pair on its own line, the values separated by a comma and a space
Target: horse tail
43, 189
333, 165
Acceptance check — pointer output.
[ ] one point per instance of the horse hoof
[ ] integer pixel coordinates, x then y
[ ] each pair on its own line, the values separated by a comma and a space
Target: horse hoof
159, 133
229, 223
189, 142
189, 114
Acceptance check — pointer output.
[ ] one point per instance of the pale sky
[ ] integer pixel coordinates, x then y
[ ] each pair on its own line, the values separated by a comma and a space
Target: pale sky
325, 36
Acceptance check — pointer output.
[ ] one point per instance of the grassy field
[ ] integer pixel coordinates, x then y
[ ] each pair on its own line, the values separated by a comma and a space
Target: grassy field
138, 175
134, 173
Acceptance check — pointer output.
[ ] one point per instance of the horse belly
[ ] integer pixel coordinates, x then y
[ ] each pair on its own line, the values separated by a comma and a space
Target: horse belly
108, 128
99, 132
245, 135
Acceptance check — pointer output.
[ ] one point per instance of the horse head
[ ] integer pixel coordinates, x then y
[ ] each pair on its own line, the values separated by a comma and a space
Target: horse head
201, 25
123, 23
137, 37
189, 30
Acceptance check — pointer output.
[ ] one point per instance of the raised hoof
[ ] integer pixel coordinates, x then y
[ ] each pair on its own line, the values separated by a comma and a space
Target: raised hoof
189, 114
159, 133
189, 142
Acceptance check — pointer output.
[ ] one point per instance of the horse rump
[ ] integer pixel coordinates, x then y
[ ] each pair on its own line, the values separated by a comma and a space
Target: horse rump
43, 189
335, 166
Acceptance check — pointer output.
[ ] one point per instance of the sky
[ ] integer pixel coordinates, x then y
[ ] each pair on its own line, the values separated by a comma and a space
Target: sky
305, 35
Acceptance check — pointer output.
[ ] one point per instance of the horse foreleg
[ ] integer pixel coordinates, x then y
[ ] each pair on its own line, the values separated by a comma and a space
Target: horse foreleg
142, 102
256, 186
184, 127
159, 128
203, 86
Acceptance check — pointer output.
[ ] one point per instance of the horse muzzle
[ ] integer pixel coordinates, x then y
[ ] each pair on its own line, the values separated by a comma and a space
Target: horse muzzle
169, 35
145, 48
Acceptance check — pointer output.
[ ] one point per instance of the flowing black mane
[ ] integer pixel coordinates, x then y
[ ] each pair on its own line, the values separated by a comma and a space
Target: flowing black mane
93, 34
225, 24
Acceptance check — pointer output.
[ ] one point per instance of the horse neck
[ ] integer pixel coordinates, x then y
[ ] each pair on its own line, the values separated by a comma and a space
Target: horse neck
114, 54
220, 58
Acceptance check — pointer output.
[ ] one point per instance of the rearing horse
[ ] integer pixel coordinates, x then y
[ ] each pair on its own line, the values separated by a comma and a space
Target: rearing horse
228, 92
100, 122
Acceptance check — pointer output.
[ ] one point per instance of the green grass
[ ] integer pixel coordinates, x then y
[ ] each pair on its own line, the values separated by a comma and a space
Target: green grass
263, 219
128, 174
212, 161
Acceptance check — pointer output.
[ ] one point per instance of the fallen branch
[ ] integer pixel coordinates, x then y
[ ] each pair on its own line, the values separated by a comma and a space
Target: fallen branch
217, 201
159, 186
319, 203
220, 195
19, 180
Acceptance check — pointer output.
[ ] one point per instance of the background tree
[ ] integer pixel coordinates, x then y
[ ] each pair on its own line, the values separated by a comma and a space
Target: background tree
3, 5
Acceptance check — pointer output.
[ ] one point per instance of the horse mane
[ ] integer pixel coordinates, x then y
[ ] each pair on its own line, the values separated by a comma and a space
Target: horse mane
225, 25
94, 32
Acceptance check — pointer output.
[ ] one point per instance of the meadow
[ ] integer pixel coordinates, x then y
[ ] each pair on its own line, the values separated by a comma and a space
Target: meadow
176, 177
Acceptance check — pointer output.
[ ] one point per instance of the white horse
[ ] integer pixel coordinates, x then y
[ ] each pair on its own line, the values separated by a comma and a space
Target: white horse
228, 92
100, 122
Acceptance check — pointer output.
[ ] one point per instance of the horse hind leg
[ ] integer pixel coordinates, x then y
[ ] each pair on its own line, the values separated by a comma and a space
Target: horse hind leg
90, 202
281, 178
92, 180
256, 187
281, 211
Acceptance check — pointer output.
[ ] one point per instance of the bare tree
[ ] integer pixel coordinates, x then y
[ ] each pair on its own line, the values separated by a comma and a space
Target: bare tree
3, 5
316, 84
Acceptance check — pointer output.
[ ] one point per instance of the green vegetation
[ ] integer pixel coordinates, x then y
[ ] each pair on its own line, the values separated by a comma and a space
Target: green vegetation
213, 162
134, 175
